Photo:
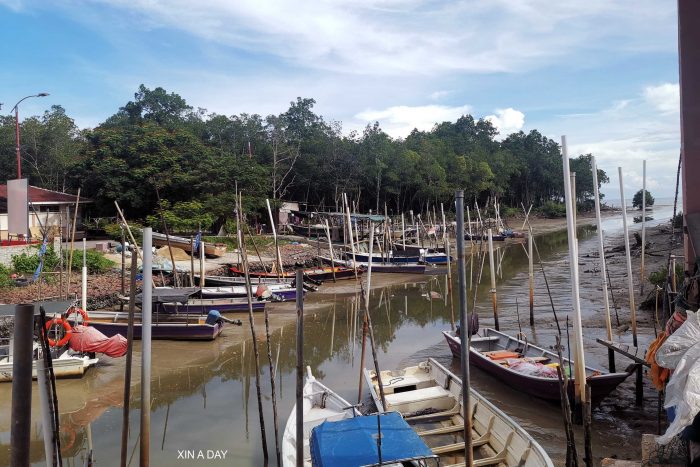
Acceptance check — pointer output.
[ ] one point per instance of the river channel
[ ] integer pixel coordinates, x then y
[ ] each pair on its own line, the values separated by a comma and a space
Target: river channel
204, 394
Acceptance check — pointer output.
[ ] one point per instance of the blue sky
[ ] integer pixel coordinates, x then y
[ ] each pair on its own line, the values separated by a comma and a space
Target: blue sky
603, 73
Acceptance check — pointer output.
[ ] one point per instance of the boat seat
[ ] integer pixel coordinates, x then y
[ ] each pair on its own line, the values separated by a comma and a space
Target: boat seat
422, 395
485, 339
396, 382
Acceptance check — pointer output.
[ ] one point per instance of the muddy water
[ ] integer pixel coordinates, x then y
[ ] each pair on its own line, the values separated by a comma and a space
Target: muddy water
204, 394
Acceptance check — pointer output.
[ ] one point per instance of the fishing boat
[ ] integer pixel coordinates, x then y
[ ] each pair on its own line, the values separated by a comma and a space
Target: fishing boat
429, 397
315, 230
390, 257
68, 364
435, 258
274, 292
397, 268
220, 281
170, 327
320, 405
317, 274
211, 250
485, 237
528, 367
202, 306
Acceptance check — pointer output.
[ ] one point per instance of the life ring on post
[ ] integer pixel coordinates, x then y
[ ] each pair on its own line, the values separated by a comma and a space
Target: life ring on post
66, 327
83, 313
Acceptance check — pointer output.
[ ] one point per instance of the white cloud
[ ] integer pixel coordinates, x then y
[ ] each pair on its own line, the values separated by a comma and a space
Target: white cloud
665, 97
392, 37
507, 121
399, 121
437, 95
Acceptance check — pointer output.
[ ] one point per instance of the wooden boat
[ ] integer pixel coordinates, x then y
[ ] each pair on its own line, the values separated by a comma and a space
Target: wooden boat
202, 306
68, 364
211, 250
430, 398
275, 292
225, 281
435, 258
485, 237
320, 405
489, 346
316, 230
317, 274
170, 327
397, 268
392, 257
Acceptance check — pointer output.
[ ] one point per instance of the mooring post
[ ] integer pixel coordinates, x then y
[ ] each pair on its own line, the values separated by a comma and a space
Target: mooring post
146, 309
300, 369
494, 297
22, 385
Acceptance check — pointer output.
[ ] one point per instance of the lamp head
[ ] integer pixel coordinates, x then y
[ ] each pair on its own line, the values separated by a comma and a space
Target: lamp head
42, 94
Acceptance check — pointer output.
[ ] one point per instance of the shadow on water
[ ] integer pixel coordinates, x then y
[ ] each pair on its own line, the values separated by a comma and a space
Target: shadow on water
204, 392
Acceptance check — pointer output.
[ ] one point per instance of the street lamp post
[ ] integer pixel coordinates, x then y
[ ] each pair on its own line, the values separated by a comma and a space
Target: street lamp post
16, 109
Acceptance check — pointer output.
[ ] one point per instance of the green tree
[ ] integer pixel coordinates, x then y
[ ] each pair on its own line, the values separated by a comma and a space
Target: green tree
637, 199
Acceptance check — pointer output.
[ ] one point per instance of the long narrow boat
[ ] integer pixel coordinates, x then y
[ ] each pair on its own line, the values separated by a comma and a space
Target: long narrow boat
212, 250
430, 398
316, 230
317, 274
397, 268
320, 405
68, 364
170, 327
202, 306
225, 281
528, 367
392, 257
276, 292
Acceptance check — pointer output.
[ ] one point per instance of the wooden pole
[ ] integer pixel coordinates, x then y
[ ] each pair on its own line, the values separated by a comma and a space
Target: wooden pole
129, 358
330, 246
280, 267
192, 261
494, 297
630, 281
72, 241
244, 258
364, 319
83, 283
300, 369
601, 254
465, 332
350, 236
644, 217
146, 309
202, 269
531, 273
579, 364
403, 232
573, 197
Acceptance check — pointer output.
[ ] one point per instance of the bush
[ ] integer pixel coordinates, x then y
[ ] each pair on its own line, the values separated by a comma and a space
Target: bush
27, 263
95, 261
678, 220
553, 209
659, 277
115, 232
509, 212
183, 217
5, 279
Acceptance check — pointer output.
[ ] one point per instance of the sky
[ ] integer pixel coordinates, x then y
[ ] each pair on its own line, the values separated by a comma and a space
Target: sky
603, 73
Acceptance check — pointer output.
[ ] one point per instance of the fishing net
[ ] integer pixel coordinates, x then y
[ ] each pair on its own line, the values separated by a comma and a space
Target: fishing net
675, 453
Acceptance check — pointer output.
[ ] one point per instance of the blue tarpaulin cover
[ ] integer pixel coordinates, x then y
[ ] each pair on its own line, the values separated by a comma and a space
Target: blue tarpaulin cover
353, 442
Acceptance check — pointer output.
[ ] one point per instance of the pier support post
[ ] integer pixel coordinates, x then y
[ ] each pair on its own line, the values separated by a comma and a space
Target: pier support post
22, 385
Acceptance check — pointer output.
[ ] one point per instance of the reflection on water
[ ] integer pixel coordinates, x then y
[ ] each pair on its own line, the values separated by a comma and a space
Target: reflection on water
204, 394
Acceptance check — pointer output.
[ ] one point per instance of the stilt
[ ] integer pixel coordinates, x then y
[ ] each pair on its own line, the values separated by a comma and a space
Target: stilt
630, 281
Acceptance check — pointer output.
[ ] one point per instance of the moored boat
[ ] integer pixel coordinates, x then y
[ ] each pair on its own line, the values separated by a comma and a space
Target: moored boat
168, 327
317, 274
528, 367
430, 398
212, 250
202, 306
68, 364
397, 268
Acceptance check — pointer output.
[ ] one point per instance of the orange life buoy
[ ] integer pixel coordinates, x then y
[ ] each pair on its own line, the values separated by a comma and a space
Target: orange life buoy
83, 313
66, 326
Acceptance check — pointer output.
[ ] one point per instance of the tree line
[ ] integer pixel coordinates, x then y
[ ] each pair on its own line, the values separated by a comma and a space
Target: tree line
157, 145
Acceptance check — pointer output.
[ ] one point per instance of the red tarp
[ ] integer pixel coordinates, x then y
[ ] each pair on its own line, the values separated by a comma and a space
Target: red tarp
89, 339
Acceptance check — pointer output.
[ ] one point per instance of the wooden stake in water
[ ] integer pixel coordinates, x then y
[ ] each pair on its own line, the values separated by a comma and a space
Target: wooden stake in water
72, 241
244, 258
601, 254
465, 332
644, 217
494, 297
403, 232
330, 246
280, 267
630, 281
531, 274
364, 319
129, 357
579, 364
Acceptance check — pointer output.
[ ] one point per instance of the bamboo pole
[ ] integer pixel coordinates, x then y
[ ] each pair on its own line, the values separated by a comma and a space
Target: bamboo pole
494, 297
531, 274
300, 370
469, 225
244, 258
630, 281
280, 267
202, 269
464, 332
644, 217
601, 254
403, 232
350, 236
330, 246
72, 242
192, 262
146, 309
129, 357
579, 364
